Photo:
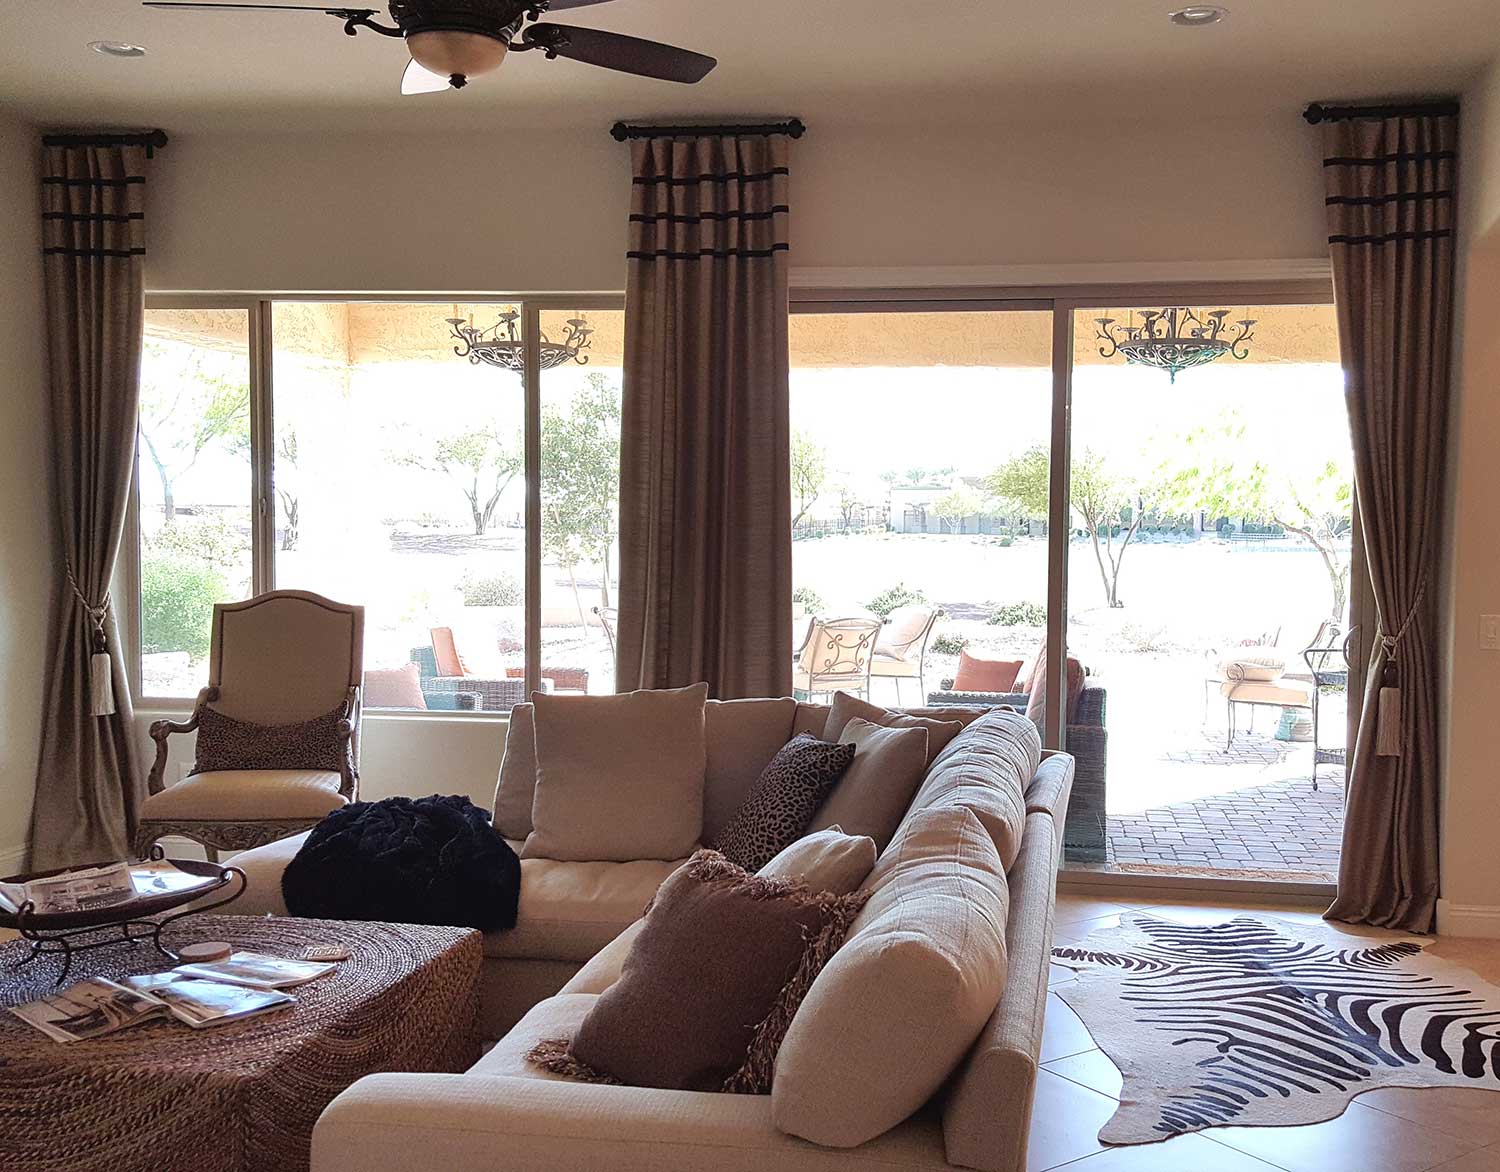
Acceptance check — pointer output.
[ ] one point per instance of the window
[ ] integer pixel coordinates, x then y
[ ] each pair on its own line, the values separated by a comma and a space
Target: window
395, 467
194, 476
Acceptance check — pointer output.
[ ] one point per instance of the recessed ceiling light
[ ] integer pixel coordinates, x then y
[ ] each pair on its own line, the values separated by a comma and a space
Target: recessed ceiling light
117, 48
1197, 15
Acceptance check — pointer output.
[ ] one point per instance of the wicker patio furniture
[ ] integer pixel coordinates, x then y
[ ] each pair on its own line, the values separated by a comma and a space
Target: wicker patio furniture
280, 658
239, 1097
442, 692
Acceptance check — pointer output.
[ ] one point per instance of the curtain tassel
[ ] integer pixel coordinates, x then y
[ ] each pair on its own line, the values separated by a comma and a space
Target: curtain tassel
101, 684
1388, 707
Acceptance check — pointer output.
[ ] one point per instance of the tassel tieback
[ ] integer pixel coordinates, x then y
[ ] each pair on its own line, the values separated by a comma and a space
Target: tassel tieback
1389, 732
101, 667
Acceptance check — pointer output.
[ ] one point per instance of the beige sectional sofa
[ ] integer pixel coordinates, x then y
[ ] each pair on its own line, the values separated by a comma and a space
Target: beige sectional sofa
573, 931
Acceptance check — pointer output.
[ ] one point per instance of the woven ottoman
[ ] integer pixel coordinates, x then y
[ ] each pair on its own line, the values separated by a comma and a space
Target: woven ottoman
241, 1097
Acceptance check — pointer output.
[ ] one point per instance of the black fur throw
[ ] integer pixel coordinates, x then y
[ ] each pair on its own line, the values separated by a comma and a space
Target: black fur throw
430, 860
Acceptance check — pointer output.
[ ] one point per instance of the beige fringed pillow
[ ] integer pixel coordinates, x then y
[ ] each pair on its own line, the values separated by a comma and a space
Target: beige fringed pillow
708, 989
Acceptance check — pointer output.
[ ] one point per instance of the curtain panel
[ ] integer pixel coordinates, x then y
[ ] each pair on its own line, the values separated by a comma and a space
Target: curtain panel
1390, 203
88, 781
705, 464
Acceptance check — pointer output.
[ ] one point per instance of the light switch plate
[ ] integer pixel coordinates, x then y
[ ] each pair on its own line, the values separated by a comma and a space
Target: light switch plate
1489, 632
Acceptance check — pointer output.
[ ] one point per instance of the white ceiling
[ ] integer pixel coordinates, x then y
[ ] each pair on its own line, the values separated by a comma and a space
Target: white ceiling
828, 61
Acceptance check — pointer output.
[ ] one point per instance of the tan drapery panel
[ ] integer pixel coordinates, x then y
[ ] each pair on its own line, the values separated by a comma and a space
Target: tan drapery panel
88, 781
705, 448
1390, 195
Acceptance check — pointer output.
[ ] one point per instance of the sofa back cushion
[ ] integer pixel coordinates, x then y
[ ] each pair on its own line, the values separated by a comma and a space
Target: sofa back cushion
741, 737
618, 778
875, 791
516, 789
846, 708
987, 769
898, 1007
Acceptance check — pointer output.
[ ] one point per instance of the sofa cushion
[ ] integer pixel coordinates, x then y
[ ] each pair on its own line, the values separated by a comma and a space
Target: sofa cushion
710, 984
618, 777
984, 673
897, 1008
846, 708
570, 910
516, 789
875, 791
811, 718
741, 737
558, 1016
247, 795
783, 800
986, 769
263, 867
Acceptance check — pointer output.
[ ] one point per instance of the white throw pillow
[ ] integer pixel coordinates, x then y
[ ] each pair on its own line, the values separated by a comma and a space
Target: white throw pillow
826, 860
618, 778
1250, 663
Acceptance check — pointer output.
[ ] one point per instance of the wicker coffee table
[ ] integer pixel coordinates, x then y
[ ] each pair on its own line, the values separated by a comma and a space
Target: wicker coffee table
241, 1097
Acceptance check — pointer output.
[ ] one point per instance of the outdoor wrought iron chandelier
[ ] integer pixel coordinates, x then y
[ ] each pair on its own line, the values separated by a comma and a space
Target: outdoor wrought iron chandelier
1175, 338
501, 344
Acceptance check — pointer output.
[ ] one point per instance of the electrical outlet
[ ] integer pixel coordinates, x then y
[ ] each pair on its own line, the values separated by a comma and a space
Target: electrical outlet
1489, 632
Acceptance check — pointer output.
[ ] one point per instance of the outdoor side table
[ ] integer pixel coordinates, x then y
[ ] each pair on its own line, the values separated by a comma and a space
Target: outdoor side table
240, 1097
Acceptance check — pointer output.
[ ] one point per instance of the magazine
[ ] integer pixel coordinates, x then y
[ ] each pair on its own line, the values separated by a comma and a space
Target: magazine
71, 891
257, 970
163, 878
89, 1009
201, 1003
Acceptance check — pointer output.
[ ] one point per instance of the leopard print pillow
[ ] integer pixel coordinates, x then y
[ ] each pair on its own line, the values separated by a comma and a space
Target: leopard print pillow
226, 743
783, 800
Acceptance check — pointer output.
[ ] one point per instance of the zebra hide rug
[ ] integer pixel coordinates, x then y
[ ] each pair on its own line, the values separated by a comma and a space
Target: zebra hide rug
1259, 1022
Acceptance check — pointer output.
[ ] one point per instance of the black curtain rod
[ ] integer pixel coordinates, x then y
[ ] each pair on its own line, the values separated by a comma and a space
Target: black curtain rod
150, 139
621, 131
1318, 112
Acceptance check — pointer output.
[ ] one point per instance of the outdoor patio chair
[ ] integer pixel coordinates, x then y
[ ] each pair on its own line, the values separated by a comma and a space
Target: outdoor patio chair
281, 658
901, 647
442, 690
609, 619
1328, 662
835, 656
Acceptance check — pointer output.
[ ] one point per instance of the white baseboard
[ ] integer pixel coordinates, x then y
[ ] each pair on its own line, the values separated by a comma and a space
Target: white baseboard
1468, 919
13, 859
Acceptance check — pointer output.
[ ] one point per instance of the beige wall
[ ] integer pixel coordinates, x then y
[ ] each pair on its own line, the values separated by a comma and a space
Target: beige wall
26, 570
532, 211
1471, 862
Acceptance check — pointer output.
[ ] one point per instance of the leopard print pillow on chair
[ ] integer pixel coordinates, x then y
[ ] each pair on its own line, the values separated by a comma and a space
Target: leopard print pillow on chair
783, 800
225, 743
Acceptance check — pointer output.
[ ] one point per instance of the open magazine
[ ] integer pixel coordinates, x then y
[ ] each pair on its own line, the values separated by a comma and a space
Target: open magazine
89, 888
94, 1008
257, 970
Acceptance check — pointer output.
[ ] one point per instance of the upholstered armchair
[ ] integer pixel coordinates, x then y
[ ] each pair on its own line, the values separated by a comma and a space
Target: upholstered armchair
280, 659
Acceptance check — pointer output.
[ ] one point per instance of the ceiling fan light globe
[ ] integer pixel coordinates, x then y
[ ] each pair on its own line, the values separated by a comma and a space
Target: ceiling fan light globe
455, 54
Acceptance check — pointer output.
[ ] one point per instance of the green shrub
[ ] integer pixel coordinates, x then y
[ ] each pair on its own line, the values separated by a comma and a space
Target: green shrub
490, 590
948, 643
1018, 614
177, 603
1007, 542
811, 600
898, 595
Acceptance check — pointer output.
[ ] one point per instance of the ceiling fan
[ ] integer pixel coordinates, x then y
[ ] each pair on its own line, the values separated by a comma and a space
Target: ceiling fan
451, 41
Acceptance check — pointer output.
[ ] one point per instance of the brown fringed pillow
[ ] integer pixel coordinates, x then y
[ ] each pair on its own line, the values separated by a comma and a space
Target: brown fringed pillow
783, 800
710, 986
226, 743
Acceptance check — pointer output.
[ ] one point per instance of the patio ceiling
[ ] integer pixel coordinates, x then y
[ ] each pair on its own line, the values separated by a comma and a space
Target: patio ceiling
360, 332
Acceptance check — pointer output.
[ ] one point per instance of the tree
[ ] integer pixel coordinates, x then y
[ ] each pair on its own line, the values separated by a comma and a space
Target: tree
184, 409
955, 505
480, 462
848, 505
809, 471
580, 457
286, 486
1109, 504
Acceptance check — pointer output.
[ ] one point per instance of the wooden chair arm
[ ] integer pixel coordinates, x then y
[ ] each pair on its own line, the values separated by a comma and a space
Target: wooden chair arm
161, 729
345, 730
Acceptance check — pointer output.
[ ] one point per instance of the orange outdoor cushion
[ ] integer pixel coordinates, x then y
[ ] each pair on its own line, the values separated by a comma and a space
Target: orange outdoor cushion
445, 651
976, 673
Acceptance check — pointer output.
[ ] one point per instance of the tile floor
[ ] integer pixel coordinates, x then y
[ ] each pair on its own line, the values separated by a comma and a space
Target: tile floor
1388, 1130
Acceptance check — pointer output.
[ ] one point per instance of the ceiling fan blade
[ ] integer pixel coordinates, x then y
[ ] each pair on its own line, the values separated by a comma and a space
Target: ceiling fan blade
200, 6
420, 80
617, 51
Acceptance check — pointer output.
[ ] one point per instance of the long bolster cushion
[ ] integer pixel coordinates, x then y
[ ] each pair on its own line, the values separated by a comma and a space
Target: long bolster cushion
478, 1123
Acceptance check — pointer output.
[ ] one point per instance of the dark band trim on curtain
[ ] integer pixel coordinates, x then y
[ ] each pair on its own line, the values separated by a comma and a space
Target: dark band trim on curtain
700, 217
1374, 200
62, 181
58, 250
152, 140
1390, 237
94, 217
689, 180
792, 128
1398, 157
710, 253
1442, 108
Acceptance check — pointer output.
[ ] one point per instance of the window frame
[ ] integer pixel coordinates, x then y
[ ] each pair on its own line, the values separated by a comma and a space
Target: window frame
260, 317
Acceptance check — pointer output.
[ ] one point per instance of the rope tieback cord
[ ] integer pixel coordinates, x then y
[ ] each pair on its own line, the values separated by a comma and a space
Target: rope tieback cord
101, 667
